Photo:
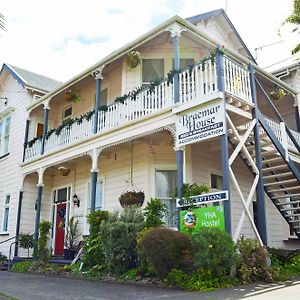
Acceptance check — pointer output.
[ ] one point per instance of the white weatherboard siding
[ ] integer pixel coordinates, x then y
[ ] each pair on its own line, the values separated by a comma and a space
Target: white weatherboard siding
10, 173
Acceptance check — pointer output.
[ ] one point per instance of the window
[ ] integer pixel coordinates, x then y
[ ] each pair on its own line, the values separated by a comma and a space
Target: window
6, 213
185, 62
153, 69
39, 130
5, 125
216, 182
103, 97
66, 114
99, 196
165, 183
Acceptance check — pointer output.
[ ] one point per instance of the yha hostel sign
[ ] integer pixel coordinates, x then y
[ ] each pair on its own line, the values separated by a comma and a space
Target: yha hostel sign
200, 123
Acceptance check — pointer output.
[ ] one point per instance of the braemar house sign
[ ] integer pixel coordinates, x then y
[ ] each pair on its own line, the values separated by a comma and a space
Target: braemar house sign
200, 123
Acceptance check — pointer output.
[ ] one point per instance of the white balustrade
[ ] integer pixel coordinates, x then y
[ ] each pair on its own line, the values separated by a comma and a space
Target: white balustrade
33, 151
200, 81
237, 80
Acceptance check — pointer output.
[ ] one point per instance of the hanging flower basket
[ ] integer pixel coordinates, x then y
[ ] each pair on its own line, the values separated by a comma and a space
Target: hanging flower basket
130, 198
72, 95
133, 59
277, 94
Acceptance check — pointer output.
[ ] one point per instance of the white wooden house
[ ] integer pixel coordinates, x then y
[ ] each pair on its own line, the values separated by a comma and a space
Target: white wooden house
18, 89
130, 143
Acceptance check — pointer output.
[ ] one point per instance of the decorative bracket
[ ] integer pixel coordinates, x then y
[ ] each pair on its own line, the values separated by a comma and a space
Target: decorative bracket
41, 175
175, 30
97, 73
94, 154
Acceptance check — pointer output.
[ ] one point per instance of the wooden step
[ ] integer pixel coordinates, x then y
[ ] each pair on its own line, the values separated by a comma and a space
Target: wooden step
286, 196
290, 188
291, 216
261, 145
290, 209
294, 221
281, 182
288, 203
278, 175
270, 160
269, 152
275, 168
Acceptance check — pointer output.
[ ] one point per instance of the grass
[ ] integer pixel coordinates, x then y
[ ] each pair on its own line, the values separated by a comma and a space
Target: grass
6, 297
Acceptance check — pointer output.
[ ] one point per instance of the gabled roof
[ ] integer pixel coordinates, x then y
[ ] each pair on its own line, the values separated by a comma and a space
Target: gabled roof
220, 12
32, 80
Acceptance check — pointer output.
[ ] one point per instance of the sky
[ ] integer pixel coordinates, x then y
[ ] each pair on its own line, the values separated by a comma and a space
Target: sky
61, 38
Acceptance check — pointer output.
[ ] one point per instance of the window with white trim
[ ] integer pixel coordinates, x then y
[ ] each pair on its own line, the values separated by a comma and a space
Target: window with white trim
5, 124
99, 196
67, 114
6, 213
152, 69
216, 183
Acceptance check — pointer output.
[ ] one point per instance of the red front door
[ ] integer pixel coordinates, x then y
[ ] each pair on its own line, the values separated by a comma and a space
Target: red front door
60, 229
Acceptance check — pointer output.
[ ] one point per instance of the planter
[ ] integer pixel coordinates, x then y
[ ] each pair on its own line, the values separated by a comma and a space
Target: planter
133, 59
131, 198
69, 254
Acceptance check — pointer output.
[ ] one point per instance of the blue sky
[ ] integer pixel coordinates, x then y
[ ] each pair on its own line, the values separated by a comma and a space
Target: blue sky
61, 38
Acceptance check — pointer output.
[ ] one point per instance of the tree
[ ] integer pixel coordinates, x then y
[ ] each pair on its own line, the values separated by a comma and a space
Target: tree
294, 18
2, 24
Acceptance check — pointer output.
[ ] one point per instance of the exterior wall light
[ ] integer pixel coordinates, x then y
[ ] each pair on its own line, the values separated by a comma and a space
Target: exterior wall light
76, 200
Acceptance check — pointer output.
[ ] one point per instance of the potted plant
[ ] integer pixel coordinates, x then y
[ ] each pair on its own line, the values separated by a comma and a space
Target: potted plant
129, 198
133, 59
71, 239
277, 94
72, 95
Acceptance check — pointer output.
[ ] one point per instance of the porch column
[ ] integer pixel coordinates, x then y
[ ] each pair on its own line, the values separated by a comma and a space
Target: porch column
175, 31
97, 74
40, 186
297, 117
224, 144
45, 128
26, 137
94, 174
18, 223
260, 194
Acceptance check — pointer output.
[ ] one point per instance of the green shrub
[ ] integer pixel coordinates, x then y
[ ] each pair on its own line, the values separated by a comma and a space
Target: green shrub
286, 268
3, 258
95, 219
189, 190
166, 249
41, 252
215, 251
253, 262
22, 267
26, 241
118, 236
93, 252
200, 280
154, 212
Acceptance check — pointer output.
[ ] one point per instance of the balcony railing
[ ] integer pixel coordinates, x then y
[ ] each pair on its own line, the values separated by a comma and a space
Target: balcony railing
198, 82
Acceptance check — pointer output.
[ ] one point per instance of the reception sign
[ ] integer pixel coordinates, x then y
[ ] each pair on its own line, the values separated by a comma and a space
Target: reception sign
200, 123
193, 221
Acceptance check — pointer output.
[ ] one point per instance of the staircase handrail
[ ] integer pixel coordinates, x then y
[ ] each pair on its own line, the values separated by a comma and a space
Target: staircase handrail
277, 143
270, 103
7, 240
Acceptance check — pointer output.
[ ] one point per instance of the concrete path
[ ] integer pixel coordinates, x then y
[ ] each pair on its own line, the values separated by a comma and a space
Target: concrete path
35, 287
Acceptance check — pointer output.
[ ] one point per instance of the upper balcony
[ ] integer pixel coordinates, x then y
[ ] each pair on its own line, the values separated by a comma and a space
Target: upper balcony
197, 84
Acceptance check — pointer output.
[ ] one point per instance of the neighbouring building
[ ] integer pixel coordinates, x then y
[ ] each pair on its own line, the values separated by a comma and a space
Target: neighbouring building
217, 118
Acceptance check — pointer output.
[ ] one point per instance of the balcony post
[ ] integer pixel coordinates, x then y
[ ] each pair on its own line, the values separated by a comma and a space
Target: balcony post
18, 223
297, 112
94, 174
175, 30
97, 74
45, 128
40, 186
260, 194
224, 143
26, 137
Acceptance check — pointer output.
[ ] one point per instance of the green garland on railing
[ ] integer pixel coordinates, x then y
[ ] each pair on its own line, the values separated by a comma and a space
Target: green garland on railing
132, 94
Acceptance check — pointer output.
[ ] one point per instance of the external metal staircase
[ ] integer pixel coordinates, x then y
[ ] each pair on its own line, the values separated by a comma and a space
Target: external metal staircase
281, 177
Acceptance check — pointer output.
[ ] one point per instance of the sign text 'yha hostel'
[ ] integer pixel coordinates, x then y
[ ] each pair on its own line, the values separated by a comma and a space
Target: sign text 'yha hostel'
200, 123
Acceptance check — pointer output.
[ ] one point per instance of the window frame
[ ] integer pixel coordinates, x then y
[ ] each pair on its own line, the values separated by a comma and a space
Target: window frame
5, 217
154, 58
64, 109
3, 135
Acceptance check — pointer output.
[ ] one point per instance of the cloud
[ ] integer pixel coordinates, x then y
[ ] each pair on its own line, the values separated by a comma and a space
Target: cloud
62, 38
